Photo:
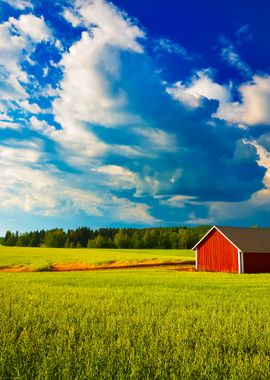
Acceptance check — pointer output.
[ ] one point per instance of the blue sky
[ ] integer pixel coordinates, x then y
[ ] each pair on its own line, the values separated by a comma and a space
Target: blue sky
132, 113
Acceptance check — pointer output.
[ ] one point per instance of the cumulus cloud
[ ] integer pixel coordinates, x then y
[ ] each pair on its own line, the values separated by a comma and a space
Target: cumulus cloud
113, 26
201, 85
18, 39
254, 107
87, 66
131, 212
11, 48
93, 63
31, 26
118, 136
262, 197
133, 101
89, 93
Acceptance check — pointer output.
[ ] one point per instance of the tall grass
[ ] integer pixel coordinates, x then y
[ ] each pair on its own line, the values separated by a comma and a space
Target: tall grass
147, 324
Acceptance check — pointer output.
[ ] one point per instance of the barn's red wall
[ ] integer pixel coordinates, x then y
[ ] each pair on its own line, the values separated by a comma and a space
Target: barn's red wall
217, 254
256, 262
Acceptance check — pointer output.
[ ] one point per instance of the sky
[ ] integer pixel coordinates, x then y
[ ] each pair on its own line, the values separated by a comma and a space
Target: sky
134, 113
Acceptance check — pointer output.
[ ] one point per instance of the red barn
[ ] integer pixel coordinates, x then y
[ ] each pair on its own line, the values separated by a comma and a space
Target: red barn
234, 249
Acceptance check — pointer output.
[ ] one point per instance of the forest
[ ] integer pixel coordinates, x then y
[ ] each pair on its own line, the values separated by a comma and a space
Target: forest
147, 238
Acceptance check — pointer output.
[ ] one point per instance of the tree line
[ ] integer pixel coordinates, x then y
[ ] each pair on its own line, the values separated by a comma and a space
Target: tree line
159, 238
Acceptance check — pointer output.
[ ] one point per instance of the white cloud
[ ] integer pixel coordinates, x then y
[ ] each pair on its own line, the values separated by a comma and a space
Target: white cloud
18, 38
230, 55
87, 94
177, 201
27, 186
125, 210
113, 26
49, 91
42, 127
11, 49
7, 124
45, 71
262, 197
147, 184
31, 26
254, 107
19, 4
82, 200
28, 183
76, 145
30, 107
129, 151
4, 117
60, 47
201, 85
181, 93
72, 18
256, 100
13, 155
118, 176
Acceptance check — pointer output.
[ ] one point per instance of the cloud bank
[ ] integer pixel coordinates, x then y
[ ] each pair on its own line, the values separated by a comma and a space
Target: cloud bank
91, 127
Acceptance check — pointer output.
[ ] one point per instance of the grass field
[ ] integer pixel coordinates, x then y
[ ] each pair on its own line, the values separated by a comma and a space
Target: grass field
134, 324
40, 259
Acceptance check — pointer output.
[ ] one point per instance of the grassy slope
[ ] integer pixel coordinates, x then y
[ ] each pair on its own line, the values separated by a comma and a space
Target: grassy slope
148, 324
43, 258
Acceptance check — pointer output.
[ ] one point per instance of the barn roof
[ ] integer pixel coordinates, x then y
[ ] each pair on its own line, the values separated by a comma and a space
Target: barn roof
246, 239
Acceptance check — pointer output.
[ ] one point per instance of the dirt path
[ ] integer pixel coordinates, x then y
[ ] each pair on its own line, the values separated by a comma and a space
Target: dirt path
74, 267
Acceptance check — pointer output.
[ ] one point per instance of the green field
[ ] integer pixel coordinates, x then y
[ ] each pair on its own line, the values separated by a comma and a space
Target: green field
44, 258
134, 324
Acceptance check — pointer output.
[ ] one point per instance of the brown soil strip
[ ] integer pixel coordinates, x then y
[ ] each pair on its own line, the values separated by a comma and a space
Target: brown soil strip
17, 269
73, 267
68, 267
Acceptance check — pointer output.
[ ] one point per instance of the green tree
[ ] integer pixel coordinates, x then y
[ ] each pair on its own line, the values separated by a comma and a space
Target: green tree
55, 238
121, 240
174, 238
90, 243
23, 240
34, 239
10, 239
67, 243
184, 237
136, 241
100, 242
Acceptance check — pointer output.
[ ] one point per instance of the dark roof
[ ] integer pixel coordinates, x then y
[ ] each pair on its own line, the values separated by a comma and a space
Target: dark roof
248, 239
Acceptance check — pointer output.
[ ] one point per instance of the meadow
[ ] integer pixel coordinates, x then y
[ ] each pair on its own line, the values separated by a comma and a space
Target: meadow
42, 259
134, 324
